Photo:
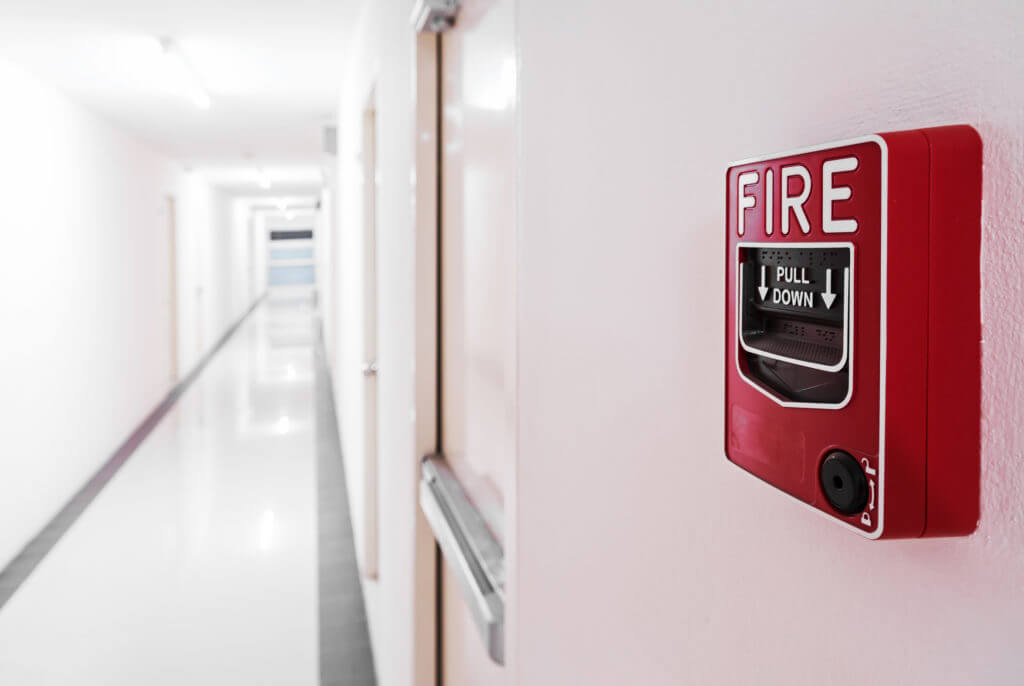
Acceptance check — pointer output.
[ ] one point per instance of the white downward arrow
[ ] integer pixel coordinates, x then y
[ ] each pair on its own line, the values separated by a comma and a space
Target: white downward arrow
828, 296
762, 289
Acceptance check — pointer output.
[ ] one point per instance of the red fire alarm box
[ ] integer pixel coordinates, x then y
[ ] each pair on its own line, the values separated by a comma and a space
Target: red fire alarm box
853, 328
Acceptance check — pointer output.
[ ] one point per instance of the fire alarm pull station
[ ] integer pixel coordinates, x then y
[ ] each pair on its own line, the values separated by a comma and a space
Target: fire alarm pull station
853, 328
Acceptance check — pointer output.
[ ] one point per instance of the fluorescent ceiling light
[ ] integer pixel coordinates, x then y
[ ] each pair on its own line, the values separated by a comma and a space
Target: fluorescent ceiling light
185, 78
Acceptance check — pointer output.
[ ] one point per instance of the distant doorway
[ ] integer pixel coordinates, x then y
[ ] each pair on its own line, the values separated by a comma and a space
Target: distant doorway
170, 217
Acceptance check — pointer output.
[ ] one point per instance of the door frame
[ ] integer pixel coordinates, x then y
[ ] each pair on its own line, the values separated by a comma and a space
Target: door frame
428, 79
371, 385
427, 154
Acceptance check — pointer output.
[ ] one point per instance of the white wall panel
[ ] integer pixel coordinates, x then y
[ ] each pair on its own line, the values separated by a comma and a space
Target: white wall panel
85, 352
382, 60
644, 557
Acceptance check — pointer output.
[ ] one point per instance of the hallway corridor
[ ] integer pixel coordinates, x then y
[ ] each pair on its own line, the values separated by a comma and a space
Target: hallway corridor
511, 343
198, 563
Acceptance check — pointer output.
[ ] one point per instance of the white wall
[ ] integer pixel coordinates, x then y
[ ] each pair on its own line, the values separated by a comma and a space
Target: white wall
241, 257
258, 253
85, 295
324, 236
215, 252
382, 60
644, 557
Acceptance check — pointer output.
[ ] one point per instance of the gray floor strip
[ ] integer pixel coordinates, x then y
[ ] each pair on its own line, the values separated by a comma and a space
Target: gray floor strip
26, 561
346, 658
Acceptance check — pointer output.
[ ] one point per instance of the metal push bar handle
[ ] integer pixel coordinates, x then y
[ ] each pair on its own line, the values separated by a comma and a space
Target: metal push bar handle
469, 548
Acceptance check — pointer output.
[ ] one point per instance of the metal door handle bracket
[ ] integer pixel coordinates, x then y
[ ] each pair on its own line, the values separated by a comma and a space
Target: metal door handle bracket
469, 548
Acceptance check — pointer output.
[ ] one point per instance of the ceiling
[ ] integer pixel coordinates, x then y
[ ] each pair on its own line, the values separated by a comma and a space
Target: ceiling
271, 67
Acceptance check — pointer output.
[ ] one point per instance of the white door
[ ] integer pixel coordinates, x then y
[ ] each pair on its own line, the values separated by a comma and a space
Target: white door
477, 296
369, 369
172, 287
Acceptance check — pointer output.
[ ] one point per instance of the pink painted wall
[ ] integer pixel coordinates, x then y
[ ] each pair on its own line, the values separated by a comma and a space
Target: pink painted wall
643, 556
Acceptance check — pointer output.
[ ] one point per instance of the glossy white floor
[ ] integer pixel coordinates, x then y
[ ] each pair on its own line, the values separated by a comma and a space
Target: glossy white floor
197, 563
